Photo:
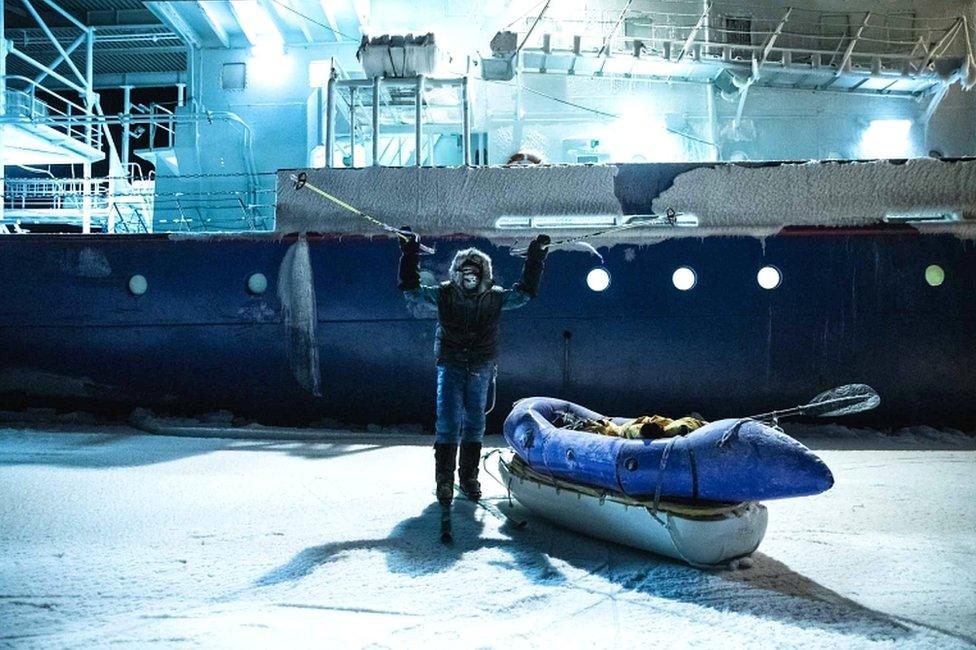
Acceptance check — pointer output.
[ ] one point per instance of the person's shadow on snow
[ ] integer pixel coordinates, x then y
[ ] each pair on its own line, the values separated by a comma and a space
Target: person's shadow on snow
413, 548
770, 589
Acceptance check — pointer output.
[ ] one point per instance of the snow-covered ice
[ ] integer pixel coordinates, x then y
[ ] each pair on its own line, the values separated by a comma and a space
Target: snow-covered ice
109, 536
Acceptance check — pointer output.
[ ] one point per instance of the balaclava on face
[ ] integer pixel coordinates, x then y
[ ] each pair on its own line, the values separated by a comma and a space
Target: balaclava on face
470, 277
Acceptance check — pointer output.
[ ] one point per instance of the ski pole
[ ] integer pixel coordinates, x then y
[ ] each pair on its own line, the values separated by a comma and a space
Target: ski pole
301, 180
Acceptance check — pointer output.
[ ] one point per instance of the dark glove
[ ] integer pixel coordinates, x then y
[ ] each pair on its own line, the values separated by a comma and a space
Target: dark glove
532, 271
409, 275
409, 242
539, 248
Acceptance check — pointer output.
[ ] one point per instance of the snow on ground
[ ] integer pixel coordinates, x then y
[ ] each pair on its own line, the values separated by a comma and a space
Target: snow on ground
114, 537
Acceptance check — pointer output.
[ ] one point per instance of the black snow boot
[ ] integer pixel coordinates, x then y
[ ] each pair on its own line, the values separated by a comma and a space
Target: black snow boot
468, 469
445, 462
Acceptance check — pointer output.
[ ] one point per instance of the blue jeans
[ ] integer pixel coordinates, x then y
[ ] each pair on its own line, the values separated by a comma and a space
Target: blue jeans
462, 392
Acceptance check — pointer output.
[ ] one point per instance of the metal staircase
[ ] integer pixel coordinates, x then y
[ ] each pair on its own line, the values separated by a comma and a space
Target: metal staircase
50, 115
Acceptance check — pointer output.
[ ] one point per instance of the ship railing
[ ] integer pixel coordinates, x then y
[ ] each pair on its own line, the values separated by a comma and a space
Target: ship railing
159, 119
132, 206
128, 218
135, 174
112, 206
23, 103
29, 101
874, 42
33, 103
222, 211
56, 193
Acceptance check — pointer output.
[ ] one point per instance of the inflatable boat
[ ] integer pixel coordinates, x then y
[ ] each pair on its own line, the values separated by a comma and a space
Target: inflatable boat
701, 534
728, 461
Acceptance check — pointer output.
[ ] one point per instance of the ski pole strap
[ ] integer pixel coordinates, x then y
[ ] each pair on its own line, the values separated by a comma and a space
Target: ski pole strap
301, 181
494, 390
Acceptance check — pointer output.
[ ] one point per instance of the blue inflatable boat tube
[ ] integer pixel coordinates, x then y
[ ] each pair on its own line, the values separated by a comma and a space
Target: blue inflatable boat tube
731, 460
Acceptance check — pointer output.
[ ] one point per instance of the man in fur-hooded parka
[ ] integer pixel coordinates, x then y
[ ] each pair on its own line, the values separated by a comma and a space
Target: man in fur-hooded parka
469, 307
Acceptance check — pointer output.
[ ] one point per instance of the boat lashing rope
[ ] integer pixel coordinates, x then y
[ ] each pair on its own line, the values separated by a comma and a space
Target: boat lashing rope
494, 390
484, 468
655, 504
700, 510
301, 181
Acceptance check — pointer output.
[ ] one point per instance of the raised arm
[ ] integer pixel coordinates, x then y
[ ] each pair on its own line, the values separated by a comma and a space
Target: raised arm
528, 285
409, 276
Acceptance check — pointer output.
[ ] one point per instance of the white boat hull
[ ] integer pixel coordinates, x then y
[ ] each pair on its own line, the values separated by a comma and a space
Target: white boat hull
708, 537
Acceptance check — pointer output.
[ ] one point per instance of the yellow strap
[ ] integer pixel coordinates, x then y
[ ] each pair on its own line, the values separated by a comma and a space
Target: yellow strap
303, 180
362, 214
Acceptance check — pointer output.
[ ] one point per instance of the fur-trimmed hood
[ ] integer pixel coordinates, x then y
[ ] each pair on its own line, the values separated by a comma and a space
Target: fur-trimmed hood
474, 257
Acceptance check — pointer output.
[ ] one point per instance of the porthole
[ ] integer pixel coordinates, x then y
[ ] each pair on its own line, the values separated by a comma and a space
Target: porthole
257, 284
769, 277
684, 278
598, 279
138, 285
934, 275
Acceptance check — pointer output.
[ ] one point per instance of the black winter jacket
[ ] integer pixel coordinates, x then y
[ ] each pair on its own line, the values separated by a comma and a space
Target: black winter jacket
467, 321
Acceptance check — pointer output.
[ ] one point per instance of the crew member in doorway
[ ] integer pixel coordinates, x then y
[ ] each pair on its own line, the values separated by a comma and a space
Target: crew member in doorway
469, 306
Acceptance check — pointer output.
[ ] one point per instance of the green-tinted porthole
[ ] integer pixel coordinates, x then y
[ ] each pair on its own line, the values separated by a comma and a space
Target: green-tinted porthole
257, 284
934, 275
138, 285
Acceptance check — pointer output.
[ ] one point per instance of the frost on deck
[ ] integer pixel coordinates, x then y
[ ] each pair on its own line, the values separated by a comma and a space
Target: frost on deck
110, 537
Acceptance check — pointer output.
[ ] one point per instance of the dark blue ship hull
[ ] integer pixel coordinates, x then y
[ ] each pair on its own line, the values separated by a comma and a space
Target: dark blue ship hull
853, 307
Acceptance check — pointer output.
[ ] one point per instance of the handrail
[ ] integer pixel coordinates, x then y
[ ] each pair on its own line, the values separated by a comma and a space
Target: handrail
608, 17
74, 124
621, 43
38, 86
680, 31
738, 46
677, 25
55, 193
161, 108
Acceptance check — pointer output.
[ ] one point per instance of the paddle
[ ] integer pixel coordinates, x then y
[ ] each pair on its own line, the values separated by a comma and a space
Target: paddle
843, 400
